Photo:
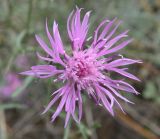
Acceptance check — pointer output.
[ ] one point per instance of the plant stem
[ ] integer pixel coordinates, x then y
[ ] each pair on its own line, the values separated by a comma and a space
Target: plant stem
3, 129
67, 130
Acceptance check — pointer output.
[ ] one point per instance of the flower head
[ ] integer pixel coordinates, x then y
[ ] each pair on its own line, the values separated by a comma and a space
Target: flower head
22, 61
12, 82
86, 69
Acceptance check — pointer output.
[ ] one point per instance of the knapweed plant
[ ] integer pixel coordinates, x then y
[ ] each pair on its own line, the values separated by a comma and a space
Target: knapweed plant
87, 69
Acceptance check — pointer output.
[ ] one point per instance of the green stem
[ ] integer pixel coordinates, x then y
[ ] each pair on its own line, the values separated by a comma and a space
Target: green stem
30, 6
27, 81
67, 130
82, 130
15, 51
3, 128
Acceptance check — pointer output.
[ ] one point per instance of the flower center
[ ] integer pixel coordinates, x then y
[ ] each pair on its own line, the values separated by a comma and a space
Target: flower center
81, 66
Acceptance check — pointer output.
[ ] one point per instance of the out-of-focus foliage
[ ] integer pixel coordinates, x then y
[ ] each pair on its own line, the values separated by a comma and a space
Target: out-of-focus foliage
20, 20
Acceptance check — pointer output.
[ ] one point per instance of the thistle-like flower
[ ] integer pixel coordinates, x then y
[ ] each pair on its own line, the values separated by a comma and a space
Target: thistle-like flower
12, 82
87, 68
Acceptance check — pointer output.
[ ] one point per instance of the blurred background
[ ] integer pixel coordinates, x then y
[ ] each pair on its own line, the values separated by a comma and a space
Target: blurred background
22, 99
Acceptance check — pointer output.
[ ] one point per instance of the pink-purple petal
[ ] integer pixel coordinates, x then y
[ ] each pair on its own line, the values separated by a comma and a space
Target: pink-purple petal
124, 73
44, 46
122, 62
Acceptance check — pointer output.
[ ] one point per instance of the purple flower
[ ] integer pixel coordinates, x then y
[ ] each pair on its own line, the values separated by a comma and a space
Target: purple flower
22, 61
12, 82
86, 69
